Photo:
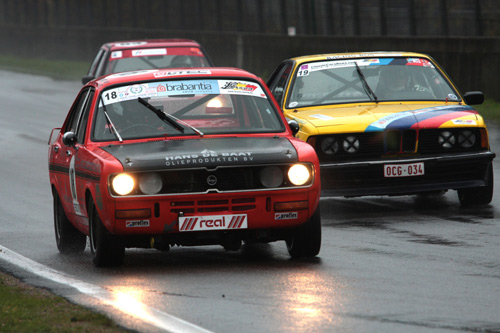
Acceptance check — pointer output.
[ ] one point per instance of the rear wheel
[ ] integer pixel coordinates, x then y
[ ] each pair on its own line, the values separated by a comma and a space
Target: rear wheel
305, 240
106, 248
478, 195
68, 238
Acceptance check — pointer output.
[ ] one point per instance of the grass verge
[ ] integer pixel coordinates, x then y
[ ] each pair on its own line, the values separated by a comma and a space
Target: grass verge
57, 69
24, 308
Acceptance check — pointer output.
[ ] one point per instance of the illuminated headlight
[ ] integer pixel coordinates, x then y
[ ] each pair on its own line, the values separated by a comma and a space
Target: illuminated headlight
446, 139
150, 183
271, 177
329, 145
466, 139
123, 184
299, 174
351, 144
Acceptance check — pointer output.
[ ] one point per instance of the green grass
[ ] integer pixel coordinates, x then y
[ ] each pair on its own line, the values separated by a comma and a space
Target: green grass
490, 110
24, 308
57, 69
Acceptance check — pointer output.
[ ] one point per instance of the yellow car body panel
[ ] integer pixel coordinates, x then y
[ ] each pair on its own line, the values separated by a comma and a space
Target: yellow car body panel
361, 110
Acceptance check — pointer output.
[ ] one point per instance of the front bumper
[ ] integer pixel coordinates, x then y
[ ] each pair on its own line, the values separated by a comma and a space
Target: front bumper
443, 172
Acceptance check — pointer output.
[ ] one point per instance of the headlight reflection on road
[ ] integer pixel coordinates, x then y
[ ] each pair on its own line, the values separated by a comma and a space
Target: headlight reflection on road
309, 301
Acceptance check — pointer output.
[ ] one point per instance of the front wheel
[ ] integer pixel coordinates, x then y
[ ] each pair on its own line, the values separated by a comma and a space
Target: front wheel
305, 241
478, 195
68, 238
106, 248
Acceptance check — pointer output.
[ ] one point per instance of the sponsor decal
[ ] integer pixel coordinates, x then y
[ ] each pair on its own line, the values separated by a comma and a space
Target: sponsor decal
137, 223
286, 216
321, 116
179, 87
213, 222
464, 122
131, 44
293, 104
241, 88
116, 54
178, 73
208, 156
148, 52
452, 96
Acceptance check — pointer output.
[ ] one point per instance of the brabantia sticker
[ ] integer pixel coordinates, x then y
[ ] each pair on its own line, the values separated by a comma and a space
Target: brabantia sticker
213, 222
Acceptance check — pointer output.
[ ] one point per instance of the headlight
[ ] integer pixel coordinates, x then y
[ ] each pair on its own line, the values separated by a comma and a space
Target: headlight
446, 139
329, 145
351, 144
466, 139
271, 176
299, 174
150, 183
123, 184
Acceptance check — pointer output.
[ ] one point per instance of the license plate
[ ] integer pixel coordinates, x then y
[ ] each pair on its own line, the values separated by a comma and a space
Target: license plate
404, 170
213, 222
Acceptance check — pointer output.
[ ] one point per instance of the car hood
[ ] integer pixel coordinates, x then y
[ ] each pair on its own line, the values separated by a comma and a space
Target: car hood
379, 117
203, 152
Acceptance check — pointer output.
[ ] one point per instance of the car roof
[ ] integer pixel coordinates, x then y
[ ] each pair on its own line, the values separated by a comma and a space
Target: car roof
172, 73
150, 43
353, 55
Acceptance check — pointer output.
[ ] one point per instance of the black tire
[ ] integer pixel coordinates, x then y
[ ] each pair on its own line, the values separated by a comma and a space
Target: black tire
68, 238
106, 248
478, 195
305, 241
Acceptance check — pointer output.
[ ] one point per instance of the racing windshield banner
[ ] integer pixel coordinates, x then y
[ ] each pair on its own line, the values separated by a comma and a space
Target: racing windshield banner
182, 87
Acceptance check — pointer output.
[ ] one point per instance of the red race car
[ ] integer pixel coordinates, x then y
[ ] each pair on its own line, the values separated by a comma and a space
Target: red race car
200, 156
132, 55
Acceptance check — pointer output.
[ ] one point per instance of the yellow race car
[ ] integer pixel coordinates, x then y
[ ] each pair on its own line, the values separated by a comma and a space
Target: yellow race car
387, 123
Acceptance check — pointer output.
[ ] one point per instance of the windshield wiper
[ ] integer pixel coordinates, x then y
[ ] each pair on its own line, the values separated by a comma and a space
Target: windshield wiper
171, 120
366, 86
110, 123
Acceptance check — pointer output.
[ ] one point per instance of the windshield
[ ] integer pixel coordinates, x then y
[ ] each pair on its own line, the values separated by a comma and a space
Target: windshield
140, 59
369, 79
184, 107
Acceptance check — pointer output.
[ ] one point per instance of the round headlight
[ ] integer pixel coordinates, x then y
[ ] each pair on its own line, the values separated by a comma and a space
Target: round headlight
299, 174
123, 184
446, 139
271, 176
150, 183
351, 144
329, 145
466, 139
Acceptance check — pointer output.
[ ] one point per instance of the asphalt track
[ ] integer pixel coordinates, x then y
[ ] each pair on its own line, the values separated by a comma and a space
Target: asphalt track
397, 264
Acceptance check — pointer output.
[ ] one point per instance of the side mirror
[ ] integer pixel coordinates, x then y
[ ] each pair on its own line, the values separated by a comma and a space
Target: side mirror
69, 139
474, 97
294, 126
87, 78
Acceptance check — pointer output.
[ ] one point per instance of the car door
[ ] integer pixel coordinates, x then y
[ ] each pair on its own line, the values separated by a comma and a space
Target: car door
65, 157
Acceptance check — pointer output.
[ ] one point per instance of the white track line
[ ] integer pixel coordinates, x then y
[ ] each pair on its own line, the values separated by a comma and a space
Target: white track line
131, 306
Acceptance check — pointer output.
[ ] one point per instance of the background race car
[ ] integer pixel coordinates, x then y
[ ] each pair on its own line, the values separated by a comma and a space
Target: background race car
387, 123
132, 55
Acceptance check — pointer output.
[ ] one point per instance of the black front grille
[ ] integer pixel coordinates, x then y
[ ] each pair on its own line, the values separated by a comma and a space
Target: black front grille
374, 145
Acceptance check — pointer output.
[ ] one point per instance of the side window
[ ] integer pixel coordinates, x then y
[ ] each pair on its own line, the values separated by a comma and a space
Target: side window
280, 79
76, 112
95, 63
82, 125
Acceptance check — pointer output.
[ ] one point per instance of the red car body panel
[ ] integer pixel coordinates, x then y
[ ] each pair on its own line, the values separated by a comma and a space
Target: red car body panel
80, 173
